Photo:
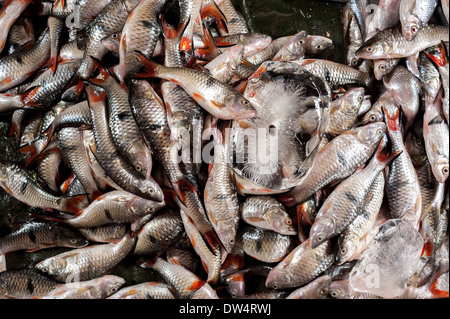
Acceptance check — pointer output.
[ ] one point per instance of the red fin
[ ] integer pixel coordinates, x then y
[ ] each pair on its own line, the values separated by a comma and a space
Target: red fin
182, 186
151, 67
27, 97
31, 151
383, 155
210, 49
438, 293
392, 121
53, 64
104, 73
65, 186
427, 250
440, 57
93, 97
212, 10
196, 285
170, 32
74, 204
198, 96
186, 45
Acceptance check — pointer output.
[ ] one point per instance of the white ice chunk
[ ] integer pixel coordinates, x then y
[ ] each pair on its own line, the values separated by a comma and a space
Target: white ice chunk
386, 266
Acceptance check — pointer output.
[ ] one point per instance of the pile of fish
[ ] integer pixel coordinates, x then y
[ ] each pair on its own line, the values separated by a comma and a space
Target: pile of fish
166, 133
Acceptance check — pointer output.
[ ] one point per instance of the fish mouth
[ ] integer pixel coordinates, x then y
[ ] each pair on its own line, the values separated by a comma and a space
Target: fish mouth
243, 114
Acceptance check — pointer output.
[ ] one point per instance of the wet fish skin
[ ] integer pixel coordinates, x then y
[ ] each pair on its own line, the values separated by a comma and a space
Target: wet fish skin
146, 290
293, 49
316, 289
115, 165
391, 43
21, 32
341, 289
104, 234
22, 63
89, 262
252, 42
11, 10
384, 67
359, 144
264, 245
40, 235
267, 213
316, 44
236, 23
301, 265
20, 183
98, 288
159, 233
347, 200
114, 207
24, 284
414, 15
375, 114
225, 65
350, 239
218, 99
402, 184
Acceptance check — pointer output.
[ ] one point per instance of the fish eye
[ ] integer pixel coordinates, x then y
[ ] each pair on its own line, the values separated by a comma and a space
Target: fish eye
134, 81
246, 102
323, 291
320, 238
138, 167
233, 295
289, 221
445, 170
274, 286
151, 190
318, 46
334, 294
383, 67
360, 98
73, 241
114, 289
231, 241
301, 41
413, 29
343, 251
81, 37
354, 61
373, 118
44, 269
150, 209
369, 49
114, 36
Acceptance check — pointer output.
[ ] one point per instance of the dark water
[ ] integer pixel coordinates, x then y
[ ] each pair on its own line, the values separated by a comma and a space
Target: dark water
272, 17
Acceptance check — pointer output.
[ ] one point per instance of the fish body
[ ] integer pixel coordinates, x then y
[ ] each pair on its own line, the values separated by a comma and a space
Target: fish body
24, 284
146, 290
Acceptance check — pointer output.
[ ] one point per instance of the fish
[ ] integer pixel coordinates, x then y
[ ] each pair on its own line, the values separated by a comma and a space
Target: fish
220, 194
87, 263
348, 199
383, 67
218, 99
20, 183
293, 49
336, 74
236, 23
391, 43
140, 33
264, 245
350, 239
375, 114
386, 15
224, 66
114, 207
24, 284
302, 265
402, 184
159, 233
344, 154
414, 15
316, 289
146, 290
118, 168
11, 10
266, 212
104, 234
252, 42
316, 44
186, 285
341, 289
21, 32
24, 62
98, 288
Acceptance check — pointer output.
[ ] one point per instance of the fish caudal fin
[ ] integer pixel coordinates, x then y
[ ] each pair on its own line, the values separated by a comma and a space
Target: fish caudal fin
151, 68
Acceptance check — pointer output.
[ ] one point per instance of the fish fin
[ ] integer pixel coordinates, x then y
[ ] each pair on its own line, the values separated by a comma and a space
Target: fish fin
73, 204
53, 64
182, 186
212, 10
31, 151
27, 97
241, 86
94, 98
170, 32
197, 284
209, 45
255, 219
66, 184
392, 121
148, 263
247, 63
383, 155
103, 75
151, 68
217, 104
438, 57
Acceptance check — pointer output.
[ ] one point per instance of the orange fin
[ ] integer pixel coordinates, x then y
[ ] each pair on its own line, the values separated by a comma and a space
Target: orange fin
197, 284
151, 67
212, 10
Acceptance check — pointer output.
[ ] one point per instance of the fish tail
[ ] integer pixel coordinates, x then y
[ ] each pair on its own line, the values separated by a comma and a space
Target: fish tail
102, 77
209, 45
95, 99
148, 263
383, 156
31, 151
53, 64
212, 10
170, 32
151, 68
66, 184
393, 122
438, 57
14, 131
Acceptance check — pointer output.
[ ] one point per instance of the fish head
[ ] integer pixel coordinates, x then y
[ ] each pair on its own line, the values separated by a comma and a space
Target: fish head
416, 147
110, 284
355, 97
339, 289
322, 229
347, 246
52, 266
295, 48
69, 237
441, 169
139, 206
411, 27
319, 288
383, 67
239, 106
316, 44
235, 57
280, 221
372, 133
279, 277
226, 231
141, 158
235, 284
375, 48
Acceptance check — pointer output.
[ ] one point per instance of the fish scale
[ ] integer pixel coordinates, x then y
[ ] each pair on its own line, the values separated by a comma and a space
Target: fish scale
24, 284
89, 262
